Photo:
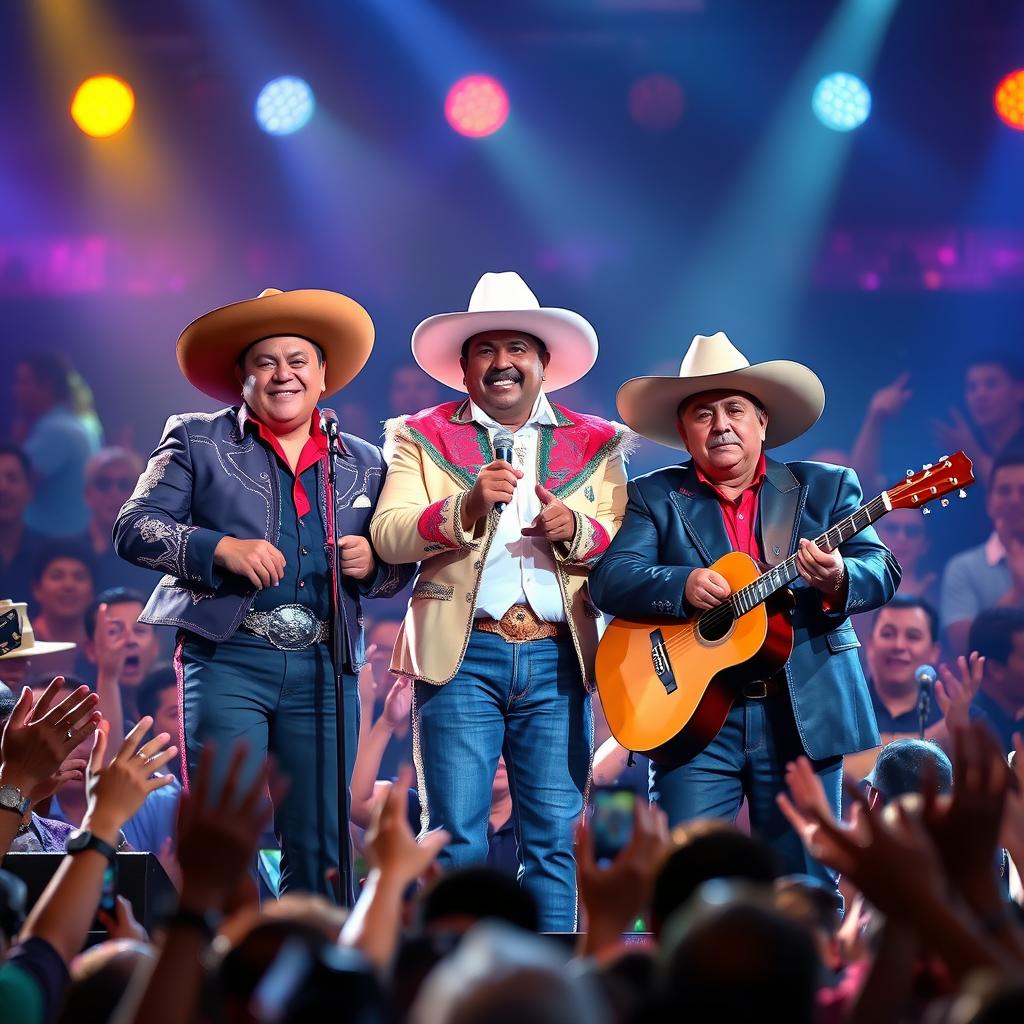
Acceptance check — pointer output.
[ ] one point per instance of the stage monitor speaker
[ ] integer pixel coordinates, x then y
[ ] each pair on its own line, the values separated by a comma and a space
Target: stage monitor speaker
141, 879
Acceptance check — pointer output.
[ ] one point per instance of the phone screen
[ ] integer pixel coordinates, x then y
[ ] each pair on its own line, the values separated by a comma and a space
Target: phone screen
108, 894
611, 819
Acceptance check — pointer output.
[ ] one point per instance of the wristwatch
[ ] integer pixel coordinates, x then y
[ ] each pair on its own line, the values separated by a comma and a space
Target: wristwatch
12, 799
82, 839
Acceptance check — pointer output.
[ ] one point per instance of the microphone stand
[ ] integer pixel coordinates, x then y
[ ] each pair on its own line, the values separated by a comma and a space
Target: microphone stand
338, 637
924, 700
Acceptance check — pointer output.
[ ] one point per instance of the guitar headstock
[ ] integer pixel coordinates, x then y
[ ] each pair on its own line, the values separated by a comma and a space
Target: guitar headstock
933, 480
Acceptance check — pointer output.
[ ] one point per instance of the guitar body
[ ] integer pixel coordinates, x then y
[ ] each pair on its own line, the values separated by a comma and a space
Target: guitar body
667, 687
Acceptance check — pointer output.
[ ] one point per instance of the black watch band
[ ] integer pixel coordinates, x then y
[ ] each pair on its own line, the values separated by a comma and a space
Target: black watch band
82, 840
205, 922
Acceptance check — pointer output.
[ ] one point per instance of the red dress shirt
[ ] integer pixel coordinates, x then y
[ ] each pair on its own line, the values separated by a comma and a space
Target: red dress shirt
740, 513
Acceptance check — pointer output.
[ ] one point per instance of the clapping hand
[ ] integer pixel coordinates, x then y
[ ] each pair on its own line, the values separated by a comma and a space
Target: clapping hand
39, 737
954, 692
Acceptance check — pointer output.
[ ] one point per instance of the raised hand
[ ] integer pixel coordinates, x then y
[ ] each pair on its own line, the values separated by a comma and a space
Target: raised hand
555, 521
356, 556
614, 896
117, 791
706, 588
257, 560
955, 434
495, 482
397, 705
229, 823
889, 401
955, 692
39, 736
391, 848
965, 825
122, 924
109, 642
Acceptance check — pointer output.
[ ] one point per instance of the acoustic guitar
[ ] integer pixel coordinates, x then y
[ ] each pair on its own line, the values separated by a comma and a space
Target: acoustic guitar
668, 685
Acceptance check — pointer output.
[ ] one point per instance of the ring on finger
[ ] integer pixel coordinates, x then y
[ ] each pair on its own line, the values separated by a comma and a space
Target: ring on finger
68, 735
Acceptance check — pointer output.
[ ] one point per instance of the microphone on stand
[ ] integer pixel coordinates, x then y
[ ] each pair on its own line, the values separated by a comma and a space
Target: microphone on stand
329, 423
503, 442
924, 676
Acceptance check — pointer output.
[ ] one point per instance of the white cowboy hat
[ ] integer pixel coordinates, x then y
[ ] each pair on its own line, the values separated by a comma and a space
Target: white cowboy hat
29, 646
504, 302
792, 393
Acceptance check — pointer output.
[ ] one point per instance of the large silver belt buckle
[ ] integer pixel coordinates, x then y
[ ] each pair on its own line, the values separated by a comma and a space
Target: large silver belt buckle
292, 627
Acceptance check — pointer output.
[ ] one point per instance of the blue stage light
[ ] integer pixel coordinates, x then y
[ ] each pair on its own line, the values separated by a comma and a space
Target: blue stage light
841, 101
284, 105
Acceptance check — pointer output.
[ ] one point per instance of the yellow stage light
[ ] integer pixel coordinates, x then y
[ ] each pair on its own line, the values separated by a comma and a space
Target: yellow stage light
102, 105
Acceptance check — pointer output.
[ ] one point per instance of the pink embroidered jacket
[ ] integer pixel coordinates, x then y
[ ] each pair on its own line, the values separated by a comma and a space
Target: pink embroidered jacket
433, 460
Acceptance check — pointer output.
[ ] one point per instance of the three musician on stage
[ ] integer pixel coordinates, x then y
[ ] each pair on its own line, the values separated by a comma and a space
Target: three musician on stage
518, 558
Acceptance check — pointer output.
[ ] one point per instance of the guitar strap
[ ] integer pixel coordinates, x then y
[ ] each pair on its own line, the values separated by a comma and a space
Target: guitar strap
781, 503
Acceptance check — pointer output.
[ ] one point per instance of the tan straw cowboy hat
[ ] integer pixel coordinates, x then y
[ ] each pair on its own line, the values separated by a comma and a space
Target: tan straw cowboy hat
792, 393
29, 646
504, 302
208, 349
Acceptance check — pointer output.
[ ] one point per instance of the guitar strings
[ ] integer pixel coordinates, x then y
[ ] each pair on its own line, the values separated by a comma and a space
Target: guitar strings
722, 614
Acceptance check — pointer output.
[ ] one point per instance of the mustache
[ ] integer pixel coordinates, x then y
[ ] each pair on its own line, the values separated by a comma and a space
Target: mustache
727, 438
494, 376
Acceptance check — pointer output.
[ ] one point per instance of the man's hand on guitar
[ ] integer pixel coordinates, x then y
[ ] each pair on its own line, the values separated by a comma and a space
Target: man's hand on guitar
706, 588
823, 570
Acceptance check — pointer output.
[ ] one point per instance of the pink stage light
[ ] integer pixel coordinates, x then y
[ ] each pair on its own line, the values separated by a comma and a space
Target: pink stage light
656, 102
476, 106
1009, 99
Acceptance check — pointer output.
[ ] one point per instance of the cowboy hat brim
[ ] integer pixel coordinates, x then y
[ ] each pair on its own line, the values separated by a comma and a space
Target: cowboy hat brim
37, 650
437, 342
792, 394
208, 349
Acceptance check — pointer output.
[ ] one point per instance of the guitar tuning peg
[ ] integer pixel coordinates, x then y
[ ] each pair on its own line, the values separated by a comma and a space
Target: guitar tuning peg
943, 458
926, 511
927, 465
945, 502
910, 473
962, 494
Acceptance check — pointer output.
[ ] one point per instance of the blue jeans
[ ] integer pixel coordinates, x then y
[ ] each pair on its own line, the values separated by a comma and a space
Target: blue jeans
748, 758
527, 702
281, 702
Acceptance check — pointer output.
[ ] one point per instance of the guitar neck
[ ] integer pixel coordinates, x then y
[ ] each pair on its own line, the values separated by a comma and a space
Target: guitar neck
786, 572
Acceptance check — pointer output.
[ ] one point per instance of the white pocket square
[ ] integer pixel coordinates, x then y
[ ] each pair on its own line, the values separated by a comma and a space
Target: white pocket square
362, 501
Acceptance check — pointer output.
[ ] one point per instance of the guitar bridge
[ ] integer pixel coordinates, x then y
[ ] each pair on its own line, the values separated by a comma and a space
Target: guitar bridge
659, 660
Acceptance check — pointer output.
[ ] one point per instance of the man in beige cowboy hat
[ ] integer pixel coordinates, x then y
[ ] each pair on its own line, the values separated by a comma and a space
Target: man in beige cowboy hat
233, 508
500, 634
731, 497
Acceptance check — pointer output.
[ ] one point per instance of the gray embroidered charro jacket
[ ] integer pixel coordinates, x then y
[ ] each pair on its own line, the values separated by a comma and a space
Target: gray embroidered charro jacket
211, 477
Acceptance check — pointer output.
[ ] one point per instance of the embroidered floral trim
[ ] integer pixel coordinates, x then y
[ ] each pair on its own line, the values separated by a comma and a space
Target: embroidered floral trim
432, 522
152, 475
434, 591
174, 538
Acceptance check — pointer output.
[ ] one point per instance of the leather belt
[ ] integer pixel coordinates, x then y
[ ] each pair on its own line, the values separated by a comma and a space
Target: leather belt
289, 627
758, 689
520, 624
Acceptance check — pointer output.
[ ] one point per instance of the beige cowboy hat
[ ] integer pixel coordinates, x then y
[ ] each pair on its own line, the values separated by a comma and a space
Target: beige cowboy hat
29, 646
504, 302
208, 349
792, 393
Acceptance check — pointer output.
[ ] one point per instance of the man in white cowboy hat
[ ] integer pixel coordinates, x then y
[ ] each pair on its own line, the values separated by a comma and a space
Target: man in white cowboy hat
500, 633
731, 497
233, 508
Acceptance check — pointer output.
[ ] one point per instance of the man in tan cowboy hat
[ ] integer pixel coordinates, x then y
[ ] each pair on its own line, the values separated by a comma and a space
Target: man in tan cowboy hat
731, 497
233, 508
500, 633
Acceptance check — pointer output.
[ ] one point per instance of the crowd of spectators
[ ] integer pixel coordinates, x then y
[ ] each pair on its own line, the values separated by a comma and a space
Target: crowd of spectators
925, 923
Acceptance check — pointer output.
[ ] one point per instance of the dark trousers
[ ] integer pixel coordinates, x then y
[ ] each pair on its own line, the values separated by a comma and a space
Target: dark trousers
748, 758
281, 703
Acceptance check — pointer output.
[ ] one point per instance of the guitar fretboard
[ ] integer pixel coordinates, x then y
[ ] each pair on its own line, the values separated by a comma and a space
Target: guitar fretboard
785, 572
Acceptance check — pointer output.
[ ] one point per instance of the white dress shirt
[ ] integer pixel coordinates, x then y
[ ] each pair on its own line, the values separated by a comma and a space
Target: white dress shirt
518, 569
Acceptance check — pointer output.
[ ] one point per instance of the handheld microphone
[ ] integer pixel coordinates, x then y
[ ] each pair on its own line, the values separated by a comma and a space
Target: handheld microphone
924, 676
503, 442
329, 423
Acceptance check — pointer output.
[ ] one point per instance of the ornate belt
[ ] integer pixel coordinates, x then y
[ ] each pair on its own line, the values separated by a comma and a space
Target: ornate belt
289, 627
519, 624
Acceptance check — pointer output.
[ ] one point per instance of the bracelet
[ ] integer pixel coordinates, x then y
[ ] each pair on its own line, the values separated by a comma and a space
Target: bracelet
206, 922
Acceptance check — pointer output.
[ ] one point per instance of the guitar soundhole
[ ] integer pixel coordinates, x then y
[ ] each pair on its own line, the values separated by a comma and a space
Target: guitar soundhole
714, 624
